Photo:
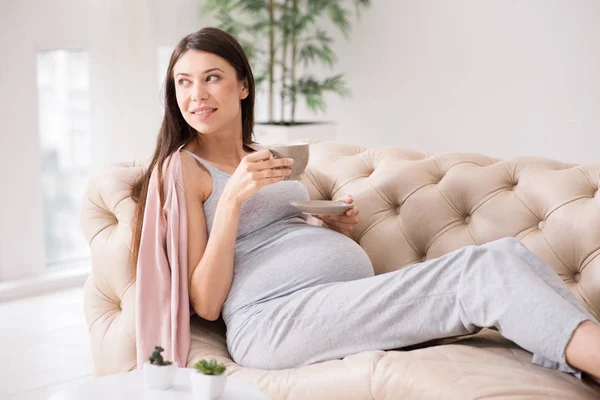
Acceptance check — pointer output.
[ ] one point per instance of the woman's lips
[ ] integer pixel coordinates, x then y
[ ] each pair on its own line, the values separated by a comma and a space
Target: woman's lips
203, 115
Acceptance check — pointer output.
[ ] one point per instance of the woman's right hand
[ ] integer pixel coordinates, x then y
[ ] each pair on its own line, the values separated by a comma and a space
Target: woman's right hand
255, 172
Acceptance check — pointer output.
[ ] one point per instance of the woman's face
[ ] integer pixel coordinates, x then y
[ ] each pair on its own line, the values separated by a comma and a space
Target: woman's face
208, 91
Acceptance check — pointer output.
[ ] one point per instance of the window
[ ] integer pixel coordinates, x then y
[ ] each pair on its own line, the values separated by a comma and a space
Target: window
64, 128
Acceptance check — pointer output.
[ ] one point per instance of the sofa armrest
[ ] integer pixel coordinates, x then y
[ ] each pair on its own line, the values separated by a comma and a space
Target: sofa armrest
107, 212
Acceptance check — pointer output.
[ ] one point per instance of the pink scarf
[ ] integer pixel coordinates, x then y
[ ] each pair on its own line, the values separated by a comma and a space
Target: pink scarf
162, 299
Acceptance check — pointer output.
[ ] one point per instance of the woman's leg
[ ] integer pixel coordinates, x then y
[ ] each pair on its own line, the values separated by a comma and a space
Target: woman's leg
538, 266
453, 295
583, 350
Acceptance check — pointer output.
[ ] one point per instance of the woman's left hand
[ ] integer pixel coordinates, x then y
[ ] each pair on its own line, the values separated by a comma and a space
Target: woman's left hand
341, 223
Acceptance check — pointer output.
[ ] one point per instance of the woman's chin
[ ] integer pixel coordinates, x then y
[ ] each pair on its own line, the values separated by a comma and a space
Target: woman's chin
204, 128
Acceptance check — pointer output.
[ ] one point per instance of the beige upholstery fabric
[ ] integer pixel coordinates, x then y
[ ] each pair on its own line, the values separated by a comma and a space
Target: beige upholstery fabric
414, 207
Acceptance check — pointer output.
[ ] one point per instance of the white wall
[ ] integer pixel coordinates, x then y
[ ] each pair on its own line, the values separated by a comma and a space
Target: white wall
25, 26
122, 38
506, 78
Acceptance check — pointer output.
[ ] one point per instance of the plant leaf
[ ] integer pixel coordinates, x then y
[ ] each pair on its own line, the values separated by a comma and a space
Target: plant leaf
339, 16
336, 84
361, 3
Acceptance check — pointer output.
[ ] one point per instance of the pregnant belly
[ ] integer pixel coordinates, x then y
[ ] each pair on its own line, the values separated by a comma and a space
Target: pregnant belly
292, 260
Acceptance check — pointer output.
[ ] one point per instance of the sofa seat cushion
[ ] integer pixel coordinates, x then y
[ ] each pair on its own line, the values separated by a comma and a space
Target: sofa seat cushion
484, 365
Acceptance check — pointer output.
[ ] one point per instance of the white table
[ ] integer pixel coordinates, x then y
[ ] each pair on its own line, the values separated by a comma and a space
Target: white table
131, 386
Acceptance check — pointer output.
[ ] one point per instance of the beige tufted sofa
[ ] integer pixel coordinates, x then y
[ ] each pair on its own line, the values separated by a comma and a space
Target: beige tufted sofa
414, 206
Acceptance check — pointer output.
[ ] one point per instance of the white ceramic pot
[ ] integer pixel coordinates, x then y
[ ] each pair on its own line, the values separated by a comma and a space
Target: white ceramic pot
207, 387
160, 377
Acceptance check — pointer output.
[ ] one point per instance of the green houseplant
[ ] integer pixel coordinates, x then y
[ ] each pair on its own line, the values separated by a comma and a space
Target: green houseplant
284, 39
208, 379
159, 373
156, 357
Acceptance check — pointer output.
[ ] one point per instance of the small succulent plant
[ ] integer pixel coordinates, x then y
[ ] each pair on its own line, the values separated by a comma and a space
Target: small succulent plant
210, 367
156, 358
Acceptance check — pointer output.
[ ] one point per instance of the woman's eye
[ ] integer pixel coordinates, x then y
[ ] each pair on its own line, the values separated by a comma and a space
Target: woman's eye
209, 78
182, 81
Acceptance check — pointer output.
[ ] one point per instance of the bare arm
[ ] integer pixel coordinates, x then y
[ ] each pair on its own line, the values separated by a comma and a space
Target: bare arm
210, 281
210, 261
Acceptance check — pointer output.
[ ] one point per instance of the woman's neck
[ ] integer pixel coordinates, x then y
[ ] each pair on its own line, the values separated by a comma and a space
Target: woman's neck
220, 149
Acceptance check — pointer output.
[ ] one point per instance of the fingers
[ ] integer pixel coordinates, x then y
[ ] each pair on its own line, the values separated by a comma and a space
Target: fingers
260, 155
339, 219
270, 164
352, 212
271, 173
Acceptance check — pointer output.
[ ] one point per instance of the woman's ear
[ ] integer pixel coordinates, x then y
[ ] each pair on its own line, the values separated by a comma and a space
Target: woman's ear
244, 93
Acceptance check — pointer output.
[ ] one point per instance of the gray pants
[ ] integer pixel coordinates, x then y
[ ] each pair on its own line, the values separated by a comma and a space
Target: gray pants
500, 284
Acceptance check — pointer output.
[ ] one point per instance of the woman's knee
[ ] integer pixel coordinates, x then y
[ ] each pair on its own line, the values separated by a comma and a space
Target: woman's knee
507, 244
495, 260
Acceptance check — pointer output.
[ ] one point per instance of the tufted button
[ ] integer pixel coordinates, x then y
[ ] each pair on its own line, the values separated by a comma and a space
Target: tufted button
577, 277
424, 258
467, 219
541, 224
398, 210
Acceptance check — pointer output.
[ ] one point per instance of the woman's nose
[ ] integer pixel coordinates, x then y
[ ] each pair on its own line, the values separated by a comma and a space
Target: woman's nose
200, 92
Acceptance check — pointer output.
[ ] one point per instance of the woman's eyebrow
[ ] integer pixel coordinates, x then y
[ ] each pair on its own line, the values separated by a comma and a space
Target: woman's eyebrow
213, 69
205, 72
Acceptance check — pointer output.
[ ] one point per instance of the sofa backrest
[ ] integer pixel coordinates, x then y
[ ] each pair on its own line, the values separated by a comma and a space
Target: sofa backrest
413, 207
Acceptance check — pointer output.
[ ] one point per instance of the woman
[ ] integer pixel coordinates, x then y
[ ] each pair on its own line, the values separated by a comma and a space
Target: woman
293, 294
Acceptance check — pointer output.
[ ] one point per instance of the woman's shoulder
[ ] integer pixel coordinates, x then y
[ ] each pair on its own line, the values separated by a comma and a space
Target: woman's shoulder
196, 179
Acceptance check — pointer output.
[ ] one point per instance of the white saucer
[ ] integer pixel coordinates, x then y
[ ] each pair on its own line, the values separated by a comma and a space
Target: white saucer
322, 207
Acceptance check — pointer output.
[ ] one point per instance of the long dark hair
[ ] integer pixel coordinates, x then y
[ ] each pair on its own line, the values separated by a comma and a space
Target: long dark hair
174, 131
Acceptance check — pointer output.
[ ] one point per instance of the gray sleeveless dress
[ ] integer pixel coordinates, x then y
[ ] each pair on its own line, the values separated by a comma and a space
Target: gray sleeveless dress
302, 294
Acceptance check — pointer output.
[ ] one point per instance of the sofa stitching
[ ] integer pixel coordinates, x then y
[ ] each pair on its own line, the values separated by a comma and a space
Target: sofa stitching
490, 197
372, 366
444, 229
363, 157
401, 227
119, 203
350, 181
99, 232
586, 175
104, 316
385, 199
448, 201
101, 209
525, 205
589, 259
553, 252
370, 228
512, 174
564, 204
127, 289
466, 162
315, 183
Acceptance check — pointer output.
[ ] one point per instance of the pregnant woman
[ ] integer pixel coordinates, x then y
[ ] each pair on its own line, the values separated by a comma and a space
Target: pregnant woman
292, 293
